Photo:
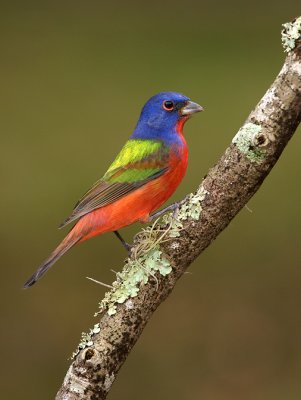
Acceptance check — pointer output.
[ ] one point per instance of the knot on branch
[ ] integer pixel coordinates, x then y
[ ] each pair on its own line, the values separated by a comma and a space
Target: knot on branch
250, 140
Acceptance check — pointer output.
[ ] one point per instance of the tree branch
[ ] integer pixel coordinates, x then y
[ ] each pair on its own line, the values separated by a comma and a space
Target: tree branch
163, 252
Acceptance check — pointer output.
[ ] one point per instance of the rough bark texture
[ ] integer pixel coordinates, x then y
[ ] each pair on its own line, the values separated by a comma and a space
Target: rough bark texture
228, 187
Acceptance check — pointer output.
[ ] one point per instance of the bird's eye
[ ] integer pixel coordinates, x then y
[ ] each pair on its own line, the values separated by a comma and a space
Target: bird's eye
168, 105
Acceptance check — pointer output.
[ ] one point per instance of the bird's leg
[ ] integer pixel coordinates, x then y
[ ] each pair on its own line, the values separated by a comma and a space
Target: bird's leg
173, 207
124, 243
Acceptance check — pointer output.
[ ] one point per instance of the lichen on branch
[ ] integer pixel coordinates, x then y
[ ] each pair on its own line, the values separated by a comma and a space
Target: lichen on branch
147, 260
247, 142
290, 34
147, 257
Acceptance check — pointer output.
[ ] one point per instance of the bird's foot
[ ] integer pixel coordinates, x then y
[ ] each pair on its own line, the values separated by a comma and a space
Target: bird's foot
173, 207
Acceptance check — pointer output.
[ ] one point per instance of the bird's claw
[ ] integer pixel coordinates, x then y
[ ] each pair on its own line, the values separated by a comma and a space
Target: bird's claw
128, 247
173, 207
175, 211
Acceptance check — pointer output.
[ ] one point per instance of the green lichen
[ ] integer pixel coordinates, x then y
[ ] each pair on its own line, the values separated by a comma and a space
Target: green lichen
174, 225
190, 208
290, 34
135, 272
245, 140
147, 259
86, 340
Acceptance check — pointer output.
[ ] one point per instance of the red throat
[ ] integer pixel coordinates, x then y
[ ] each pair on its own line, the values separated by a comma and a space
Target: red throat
180, 125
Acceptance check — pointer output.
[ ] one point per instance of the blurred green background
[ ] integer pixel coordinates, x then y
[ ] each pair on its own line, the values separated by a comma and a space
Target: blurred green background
74, 76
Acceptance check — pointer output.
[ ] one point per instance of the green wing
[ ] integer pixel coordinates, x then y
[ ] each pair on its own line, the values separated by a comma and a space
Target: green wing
139, 162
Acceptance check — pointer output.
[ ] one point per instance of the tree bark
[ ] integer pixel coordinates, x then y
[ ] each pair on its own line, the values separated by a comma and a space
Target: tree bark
163, 252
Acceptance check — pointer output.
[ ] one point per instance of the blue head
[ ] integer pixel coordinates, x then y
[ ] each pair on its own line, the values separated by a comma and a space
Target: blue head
161, 115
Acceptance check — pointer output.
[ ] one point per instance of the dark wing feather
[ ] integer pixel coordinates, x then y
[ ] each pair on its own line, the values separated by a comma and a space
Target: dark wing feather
104, 193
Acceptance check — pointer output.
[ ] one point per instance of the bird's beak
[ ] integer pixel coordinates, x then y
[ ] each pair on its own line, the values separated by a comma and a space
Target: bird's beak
191, 108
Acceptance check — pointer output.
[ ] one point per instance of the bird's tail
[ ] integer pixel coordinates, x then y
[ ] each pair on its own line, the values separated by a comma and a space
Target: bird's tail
69, 241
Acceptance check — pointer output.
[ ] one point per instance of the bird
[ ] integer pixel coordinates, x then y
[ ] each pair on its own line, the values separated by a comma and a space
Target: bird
145, 173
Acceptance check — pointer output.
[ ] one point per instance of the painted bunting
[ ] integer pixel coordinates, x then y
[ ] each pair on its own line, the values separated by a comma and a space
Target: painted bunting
143, 176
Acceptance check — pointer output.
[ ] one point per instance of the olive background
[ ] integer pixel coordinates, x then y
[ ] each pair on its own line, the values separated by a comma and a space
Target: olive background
73, 77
